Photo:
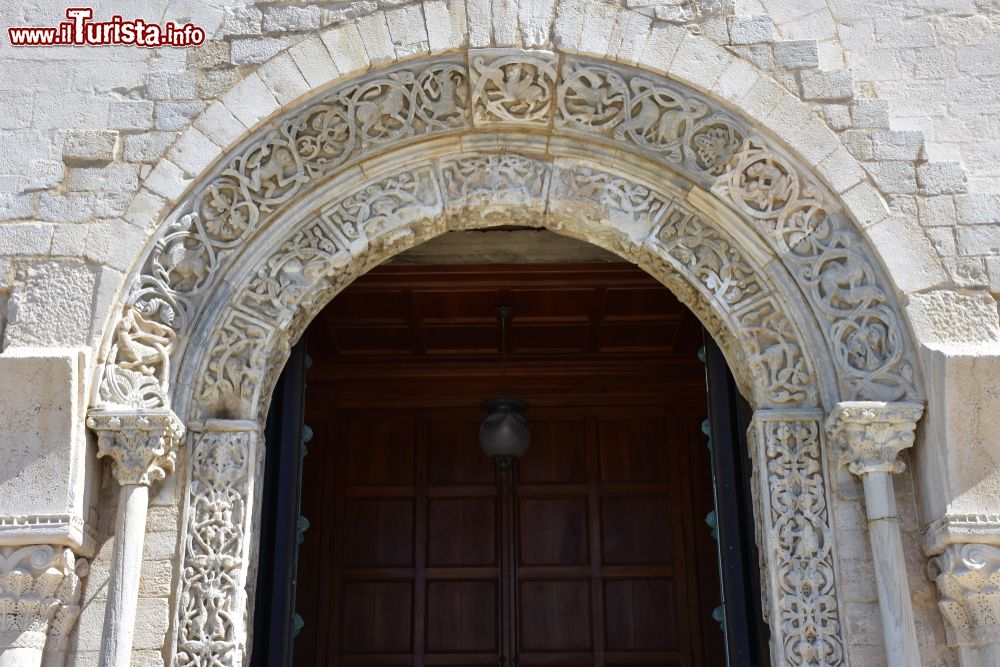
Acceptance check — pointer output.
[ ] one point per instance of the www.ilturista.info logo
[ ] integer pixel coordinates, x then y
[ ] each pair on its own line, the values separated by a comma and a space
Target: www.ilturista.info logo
79, 30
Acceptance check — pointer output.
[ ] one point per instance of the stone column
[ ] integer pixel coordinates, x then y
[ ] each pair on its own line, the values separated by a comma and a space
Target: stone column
869, 436
142, 447
968, 579
39, 596
791, 511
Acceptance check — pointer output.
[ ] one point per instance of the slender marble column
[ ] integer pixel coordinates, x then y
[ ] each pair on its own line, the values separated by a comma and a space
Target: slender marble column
142, 447
968, 580
869, 436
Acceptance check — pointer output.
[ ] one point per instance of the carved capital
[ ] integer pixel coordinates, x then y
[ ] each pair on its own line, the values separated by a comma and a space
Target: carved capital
39, 595
870, 434
968, 581
141, 444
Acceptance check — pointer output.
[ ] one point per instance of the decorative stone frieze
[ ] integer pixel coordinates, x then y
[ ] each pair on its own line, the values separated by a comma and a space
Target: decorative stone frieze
141, 445
795, 539
869, 436
968, 580
212, 613
39, 602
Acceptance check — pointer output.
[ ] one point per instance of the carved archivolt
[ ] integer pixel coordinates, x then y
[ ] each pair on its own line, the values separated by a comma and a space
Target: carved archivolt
537, 90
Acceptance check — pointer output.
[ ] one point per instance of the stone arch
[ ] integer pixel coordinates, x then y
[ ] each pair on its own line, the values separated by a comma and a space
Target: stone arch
641, 164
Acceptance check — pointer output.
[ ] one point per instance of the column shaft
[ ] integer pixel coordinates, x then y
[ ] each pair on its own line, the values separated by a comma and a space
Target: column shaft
123, 586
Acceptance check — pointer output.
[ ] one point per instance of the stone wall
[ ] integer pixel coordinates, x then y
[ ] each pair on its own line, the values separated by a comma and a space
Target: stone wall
910, 87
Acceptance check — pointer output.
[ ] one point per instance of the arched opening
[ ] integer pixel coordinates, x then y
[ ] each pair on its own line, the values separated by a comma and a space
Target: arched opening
595, 548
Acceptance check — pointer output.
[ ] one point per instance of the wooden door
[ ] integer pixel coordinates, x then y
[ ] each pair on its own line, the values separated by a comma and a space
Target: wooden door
402, 562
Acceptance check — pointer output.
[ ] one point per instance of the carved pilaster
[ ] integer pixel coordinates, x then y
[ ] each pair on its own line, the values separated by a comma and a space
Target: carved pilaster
39, 601
142, 445
212, 614
793, 521
869, 435
968, 580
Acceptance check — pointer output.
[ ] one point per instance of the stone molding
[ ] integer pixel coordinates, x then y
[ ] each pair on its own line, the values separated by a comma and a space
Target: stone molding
869, 435
795, 538
142, 445
968, 581
39, 596
961, 529
66, 529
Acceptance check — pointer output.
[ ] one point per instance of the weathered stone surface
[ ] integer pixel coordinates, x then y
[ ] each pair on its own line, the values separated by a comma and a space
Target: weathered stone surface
83, 146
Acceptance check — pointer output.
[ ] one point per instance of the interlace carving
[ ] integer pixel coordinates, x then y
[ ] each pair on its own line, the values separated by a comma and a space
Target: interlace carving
671, 124
39, 596
212, 617
512, 86
869, 435
968, 580
817, 245
794, 522
141, 445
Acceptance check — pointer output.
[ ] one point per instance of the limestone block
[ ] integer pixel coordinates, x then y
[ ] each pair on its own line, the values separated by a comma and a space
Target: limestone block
901, 145
14, 206
446, 26
89, 146
346, 48
314, 61
977, 208
193, 152
374, 35
893, 177
285, 18
25, 238
943, 240
796, 54
115, 177
173, 116
255, 50
167, 180
870, 113
50, 305
535, 22
130, 115
751, 29
830, 85
865, 204
250, 100
48, 484
936, 178
907, 254
978, 240
69, 207
147, 147
220, 125
841, 170
407, 30
241, 20
114, 243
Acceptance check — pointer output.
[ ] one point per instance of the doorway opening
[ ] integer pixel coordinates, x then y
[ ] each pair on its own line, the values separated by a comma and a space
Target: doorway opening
603, 520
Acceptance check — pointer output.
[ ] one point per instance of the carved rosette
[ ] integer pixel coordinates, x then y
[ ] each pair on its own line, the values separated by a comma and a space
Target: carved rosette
968, 581
212, 614
869, 435
39, 596
795, 539
141, 445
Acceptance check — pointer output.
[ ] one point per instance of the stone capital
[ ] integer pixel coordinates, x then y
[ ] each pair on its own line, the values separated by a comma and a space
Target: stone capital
141, 444
968, 581
39, 597
869, 435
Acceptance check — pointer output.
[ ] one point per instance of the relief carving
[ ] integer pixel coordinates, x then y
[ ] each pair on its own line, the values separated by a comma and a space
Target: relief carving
512, 86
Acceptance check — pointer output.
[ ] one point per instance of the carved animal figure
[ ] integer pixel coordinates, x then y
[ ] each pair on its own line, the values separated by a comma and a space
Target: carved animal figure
373, 113
144, 344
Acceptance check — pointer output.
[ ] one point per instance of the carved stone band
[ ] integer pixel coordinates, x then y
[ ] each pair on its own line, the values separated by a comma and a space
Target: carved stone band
968, 579
870, 434
142, 445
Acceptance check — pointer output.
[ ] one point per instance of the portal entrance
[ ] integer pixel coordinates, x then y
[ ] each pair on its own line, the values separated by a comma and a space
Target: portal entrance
592, 550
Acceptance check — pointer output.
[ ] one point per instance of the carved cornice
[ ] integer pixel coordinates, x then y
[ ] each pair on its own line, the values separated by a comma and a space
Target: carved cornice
869, 435
968, 580
142, 445
39, 595
961, 529
66, 529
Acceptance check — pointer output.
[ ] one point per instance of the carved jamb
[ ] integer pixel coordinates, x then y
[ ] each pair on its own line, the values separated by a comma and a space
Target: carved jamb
968, 581
142, 445
795, 538
39, 596
211, 621
869, 435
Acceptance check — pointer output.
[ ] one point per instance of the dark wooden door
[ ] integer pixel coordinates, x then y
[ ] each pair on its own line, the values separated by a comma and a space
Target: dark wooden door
614, 564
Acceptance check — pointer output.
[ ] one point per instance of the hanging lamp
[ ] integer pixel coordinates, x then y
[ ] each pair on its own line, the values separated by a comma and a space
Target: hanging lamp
504, 435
